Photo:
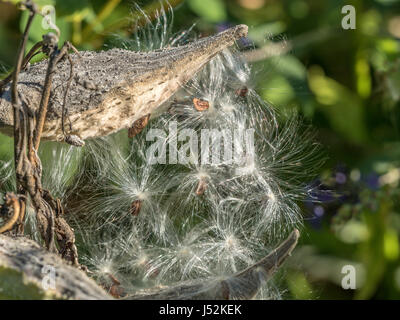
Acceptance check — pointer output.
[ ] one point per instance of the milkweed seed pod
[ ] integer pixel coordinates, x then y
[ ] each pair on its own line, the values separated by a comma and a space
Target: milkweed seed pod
159, 218
113, 89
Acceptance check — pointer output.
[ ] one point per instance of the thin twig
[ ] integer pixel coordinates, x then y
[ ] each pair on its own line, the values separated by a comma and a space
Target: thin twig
71, 73
55, 57
14, 92
16, 103
33, 52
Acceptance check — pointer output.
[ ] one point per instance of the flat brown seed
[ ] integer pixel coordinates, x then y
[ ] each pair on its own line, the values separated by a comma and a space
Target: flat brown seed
138, 126
135, 207
242, 92
114, 279
225, 292
115, 290
201, 105
201, 187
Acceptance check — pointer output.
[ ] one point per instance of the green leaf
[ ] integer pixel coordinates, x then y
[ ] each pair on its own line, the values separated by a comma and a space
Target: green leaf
66, 8
278, 91
343, 108
210, 10
299, 286
290, 66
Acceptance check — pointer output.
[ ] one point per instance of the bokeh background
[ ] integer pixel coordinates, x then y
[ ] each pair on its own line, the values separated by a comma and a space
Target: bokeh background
344, 83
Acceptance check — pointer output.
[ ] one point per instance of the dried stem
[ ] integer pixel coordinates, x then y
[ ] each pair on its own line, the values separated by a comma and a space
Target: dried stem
12, 201
27, 133
55, 57
16, 103
63, 111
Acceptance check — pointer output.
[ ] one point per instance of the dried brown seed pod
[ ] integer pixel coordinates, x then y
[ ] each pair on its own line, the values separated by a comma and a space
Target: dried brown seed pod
138, 126
201, 105
135, 207
154, 71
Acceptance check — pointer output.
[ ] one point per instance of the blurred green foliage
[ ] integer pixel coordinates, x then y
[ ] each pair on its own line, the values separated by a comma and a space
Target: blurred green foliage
345, 83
